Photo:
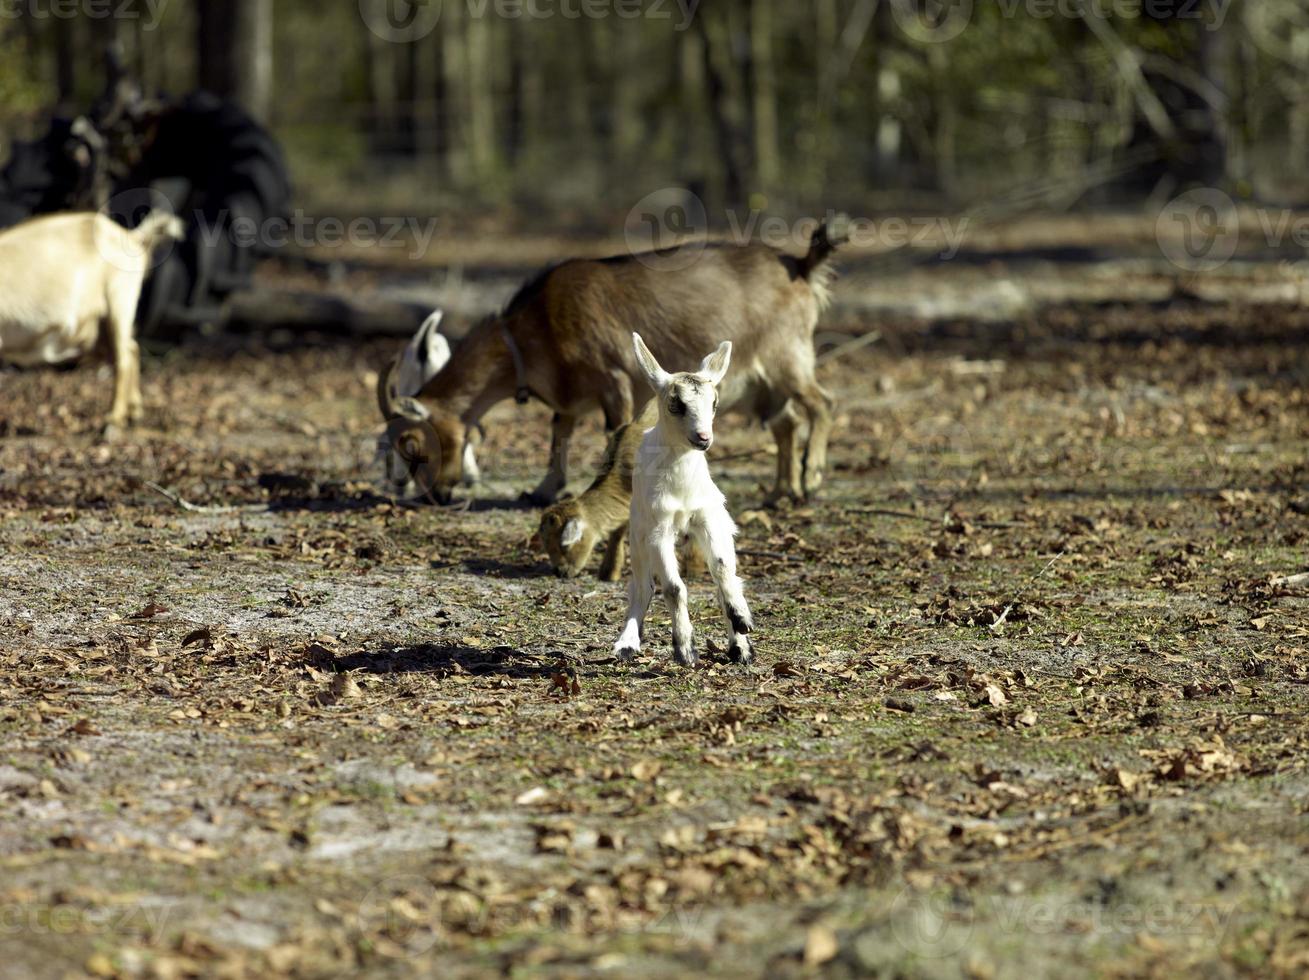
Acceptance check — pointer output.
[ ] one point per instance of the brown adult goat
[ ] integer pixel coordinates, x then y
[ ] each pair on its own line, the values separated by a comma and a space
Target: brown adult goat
566, 338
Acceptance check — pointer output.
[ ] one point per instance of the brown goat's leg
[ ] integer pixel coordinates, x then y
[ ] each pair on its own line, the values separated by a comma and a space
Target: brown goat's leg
790, 464
556, 477
617, 402
611, 566
818, 405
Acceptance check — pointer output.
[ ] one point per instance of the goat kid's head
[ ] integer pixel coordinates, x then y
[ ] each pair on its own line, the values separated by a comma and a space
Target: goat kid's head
423, 449
687, 399
568, 538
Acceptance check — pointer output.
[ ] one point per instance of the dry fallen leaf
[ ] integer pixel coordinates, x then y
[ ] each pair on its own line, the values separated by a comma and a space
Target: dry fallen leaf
820, 945
533, 796
646, 770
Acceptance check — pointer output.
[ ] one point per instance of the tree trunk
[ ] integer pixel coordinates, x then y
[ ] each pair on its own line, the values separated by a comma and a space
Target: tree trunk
481, 101
235, 46
720, 110
764, 96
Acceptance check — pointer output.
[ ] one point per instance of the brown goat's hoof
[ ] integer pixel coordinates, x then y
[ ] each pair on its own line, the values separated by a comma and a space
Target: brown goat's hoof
782, 500
536, 498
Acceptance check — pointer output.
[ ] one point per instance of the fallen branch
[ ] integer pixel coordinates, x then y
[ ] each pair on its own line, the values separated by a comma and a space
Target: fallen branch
999, 620
186, 505
850, 346
780, 556
907, 515
1299, 579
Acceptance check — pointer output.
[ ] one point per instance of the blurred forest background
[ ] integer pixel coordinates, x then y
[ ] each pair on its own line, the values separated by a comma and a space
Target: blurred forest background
537, 112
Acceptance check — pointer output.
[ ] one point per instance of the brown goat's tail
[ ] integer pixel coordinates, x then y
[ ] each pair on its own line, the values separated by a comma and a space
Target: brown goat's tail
816, 266
157, 228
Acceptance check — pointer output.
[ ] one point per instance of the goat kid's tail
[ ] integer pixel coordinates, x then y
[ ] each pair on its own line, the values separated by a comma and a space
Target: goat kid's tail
830, 235
157, 228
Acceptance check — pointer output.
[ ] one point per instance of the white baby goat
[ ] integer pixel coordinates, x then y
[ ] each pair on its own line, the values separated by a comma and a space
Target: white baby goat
673, 494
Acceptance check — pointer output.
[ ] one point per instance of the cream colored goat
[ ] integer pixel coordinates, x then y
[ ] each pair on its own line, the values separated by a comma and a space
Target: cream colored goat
66, 278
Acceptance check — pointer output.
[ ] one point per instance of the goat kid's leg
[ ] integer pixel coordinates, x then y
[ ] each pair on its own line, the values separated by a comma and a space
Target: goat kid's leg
556, 477
714, 532
640, 590
611, 566
670, 580
790, 463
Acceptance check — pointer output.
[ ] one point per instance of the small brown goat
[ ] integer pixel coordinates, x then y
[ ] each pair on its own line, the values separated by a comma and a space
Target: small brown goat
566, 339
571, 529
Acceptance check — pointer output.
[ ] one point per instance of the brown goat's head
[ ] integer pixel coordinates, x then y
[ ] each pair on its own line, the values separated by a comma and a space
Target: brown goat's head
424, 448
568, 537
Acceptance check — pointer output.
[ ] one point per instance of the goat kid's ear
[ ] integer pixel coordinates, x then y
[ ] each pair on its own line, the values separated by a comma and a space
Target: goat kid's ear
572, 533
656, 375
714, 366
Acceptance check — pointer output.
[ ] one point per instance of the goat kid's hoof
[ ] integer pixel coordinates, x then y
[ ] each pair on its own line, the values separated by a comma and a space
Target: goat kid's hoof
686, 656
626, 655
740, 651
113, 432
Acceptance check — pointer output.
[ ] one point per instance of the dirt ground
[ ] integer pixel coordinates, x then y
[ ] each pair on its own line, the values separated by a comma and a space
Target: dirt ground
1030, 700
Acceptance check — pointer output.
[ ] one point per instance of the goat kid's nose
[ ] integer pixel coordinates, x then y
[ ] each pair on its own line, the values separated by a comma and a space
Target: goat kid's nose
702, 439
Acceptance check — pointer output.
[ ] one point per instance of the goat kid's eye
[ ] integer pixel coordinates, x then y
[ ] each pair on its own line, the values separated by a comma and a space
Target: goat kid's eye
676, 407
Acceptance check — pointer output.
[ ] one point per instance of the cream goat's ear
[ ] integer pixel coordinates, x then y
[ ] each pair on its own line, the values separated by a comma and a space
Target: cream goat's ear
572, 533
714, 366
656, 375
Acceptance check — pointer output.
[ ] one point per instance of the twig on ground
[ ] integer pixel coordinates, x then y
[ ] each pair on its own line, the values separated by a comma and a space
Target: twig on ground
999, 620
780, 556
850, 346
1299, 579
907, 515
186, 505
743, 454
